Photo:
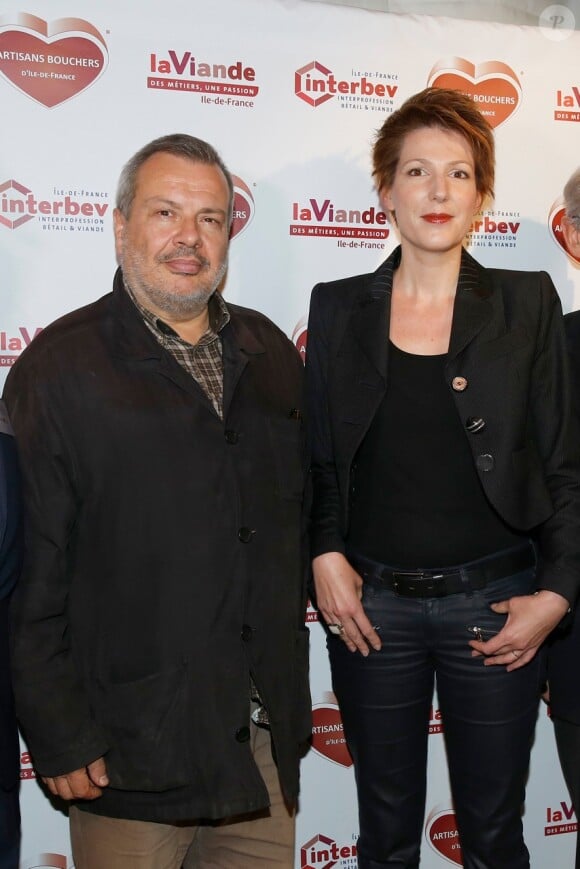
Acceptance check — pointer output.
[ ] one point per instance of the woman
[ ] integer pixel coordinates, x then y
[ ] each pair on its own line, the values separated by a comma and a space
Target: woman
441, 441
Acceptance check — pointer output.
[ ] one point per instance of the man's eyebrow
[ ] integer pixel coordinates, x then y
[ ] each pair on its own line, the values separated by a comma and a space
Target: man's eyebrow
162, 200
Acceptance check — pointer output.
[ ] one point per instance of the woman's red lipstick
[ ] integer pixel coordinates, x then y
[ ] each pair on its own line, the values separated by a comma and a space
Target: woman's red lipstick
437, 218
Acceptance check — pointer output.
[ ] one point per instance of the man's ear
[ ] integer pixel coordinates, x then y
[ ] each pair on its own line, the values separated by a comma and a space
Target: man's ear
119, 225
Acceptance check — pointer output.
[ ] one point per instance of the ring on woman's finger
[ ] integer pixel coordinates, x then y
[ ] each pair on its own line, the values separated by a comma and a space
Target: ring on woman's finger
336, 629
516, 654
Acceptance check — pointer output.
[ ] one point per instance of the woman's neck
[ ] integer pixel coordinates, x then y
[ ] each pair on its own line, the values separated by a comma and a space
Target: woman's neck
423, 297
426, 276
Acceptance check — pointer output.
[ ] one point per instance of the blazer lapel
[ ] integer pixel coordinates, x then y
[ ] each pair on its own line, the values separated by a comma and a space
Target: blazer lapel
371, 315
472, 309
359, 379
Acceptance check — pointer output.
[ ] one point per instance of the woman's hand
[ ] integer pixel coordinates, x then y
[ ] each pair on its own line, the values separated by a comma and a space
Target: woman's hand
530, 619
338, 594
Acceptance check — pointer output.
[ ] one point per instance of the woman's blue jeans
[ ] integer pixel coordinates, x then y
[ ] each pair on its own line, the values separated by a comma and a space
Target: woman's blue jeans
488, 718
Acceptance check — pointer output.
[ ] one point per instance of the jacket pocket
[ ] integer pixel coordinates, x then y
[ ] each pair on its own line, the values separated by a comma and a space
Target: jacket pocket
287, 446
146, 725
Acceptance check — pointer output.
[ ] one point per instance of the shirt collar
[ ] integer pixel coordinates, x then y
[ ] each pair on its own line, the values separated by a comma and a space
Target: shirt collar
219, 316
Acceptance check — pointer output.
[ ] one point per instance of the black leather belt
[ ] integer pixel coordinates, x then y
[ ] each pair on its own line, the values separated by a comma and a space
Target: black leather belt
440, 583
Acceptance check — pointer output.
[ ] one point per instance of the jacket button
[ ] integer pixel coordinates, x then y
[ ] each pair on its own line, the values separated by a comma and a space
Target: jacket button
459, 384
247, 633
243, 734
231, 436
246, 534
474, 424
485, 462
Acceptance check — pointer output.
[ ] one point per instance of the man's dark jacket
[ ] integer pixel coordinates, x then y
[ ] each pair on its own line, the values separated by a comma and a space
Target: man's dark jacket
507, 342
164, 559
564, 644
10, 559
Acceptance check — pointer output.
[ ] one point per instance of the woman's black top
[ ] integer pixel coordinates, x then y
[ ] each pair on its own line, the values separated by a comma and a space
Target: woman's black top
416, 497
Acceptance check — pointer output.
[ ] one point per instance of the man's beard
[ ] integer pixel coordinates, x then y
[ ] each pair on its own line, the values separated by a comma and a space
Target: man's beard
178, 306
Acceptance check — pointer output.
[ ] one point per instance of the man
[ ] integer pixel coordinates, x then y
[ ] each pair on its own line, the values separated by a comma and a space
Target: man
564, 645
10, 552
160, 436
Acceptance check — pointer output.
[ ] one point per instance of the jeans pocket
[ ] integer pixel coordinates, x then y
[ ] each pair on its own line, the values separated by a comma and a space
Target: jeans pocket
483, 617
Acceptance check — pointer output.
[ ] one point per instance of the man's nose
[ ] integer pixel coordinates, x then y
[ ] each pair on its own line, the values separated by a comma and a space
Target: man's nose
188, 232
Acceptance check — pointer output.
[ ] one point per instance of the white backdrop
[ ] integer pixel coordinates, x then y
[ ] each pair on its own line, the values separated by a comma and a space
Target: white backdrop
290, 93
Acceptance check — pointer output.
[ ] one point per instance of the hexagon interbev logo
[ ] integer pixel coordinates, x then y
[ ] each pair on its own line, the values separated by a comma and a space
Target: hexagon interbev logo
363, 90
555, 218
226, 83
365, 227
70, 210
322, 852
50, 62
492, 85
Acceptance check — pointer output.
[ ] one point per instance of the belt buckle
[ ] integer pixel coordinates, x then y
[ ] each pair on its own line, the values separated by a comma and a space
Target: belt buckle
402, 582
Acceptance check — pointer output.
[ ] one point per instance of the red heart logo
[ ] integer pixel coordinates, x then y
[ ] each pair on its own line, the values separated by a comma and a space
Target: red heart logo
493, 85
443, 836
243, 206
300, 339
328, 734
556, 214
50, 861
51, 62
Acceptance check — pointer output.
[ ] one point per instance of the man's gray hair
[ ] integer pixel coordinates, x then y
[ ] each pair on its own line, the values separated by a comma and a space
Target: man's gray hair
572, 198
179, 144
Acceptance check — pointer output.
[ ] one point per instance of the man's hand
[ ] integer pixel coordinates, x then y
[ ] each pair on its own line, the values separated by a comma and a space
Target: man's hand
338, 594
530, 619
81, 784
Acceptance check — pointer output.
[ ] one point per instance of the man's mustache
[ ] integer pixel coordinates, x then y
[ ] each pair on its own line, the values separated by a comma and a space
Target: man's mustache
184, 252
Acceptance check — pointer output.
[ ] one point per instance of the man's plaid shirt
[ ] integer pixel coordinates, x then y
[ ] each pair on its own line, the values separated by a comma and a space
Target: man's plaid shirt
202, 360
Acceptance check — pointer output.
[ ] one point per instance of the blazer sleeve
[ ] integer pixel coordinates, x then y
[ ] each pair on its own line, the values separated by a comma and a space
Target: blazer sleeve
50, 701
557, 435
325, 523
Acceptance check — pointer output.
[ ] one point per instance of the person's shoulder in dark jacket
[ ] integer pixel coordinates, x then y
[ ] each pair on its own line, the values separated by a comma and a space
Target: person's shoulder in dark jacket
572, 324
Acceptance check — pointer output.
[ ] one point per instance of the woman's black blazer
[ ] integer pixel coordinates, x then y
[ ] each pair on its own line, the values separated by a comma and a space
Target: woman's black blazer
508, 342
